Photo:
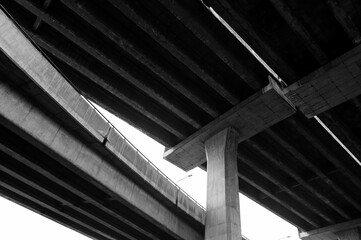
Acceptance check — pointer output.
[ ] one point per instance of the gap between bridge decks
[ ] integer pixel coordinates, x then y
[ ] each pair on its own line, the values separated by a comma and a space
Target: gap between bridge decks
318, 92
54, 84
275, 75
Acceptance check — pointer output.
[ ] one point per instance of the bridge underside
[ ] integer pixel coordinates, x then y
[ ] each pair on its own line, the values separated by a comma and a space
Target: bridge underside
170, 68
64, 169
37, 178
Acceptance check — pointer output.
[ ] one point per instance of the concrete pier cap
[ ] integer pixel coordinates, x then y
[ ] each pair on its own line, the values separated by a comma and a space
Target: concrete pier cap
349, 230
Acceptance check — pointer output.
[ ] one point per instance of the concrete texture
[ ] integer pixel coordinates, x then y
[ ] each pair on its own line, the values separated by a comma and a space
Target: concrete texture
255, 114
223, 215
35, 126
333, 232
329, 86
349, 234
23, 53
326, 92
59, 143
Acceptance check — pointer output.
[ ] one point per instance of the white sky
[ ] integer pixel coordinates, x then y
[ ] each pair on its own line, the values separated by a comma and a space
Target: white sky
257, 223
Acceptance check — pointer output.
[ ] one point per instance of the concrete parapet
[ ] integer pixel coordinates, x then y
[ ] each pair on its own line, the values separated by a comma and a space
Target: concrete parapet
36, 66
63, 146
190, 207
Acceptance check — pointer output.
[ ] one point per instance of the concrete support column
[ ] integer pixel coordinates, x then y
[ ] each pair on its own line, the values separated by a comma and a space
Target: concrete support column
222, 215
349, 234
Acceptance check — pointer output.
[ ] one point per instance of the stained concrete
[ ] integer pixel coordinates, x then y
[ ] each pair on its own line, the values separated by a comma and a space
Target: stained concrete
223, 214
328, 86
33, 124
253, 115
341, 231
349, 234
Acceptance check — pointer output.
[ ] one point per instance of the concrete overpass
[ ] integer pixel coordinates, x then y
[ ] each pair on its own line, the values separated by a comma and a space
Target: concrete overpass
176, 72
62, 159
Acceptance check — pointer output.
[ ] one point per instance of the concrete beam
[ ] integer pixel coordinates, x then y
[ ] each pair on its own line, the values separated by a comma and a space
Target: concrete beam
162, 71
280, 206
80, 192
252, 37
157, 35
106, 95
128, 72
333, 232
191, 19
84, 10
309, 163
39, 70
329, 86
298, 198
255, 114
36, 127
349, 234
38, 21
223, 215
346, 22
35, 188
325, 151
297, 26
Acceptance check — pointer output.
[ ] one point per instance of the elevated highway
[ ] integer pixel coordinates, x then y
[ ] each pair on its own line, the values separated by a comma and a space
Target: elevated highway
175, 71
62, 159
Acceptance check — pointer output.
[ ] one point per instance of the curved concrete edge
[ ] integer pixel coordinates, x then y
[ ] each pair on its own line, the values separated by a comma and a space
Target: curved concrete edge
35, 126
32, 62
117, 144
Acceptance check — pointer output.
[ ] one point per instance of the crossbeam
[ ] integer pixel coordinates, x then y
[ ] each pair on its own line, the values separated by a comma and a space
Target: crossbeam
330, 231
325, 88
329, 86
257, 113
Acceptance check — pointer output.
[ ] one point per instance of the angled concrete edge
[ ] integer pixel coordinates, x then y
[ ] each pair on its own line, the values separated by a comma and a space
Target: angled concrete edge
329, 232
258, 112
329, 86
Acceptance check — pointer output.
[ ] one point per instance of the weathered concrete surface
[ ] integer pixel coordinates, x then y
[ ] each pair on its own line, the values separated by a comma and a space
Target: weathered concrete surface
255, 114
222, 216
334, 232
23, 53
329, 86
349, 234
35, 126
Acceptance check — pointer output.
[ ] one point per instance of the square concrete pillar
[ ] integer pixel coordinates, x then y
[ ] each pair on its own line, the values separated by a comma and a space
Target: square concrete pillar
349, 234
222, 214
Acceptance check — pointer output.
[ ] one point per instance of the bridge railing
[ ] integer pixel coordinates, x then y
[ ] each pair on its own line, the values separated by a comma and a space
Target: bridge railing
144, 157
100, 114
